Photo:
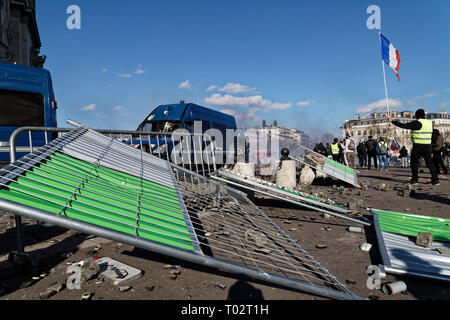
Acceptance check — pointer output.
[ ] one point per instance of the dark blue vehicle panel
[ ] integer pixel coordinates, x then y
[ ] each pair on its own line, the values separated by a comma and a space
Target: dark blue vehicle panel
19, 80
181, 116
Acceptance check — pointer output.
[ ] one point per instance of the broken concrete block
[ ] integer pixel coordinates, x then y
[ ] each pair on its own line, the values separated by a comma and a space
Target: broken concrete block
287, 176
89, 270
424, 239
444, 251
307, 176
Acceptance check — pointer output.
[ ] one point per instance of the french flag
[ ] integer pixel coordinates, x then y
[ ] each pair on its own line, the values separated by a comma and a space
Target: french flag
395, 146
390, 54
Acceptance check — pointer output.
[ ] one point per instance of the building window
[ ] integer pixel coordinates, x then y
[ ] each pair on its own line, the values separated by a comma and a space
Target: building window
384, 130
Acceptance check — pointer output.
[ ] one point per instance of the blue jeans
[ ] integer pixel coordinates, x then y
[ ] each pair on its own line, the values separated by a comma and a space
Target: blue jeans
382, 158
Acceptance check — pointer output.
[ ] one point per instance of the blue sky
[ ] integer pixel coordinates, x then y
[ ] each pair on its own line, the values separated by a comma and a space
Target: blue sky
307, 64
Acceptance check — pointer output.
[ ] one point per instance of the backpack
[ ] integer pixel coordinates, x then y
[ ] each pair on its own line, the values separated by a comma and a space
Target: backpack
382, 148
371, 145
351, 145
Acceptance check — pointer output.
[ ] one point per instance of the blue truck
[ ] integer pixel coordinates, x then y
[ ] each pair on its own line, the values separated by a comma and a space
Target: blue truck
170, 117
26, 99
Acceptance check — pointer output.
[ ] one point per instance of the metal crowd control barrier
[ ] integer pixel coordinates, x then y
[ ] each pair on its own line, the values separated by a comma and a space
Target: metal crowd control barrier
188, 153
275, 191
197, 152
94, 184
328, 166
396, 234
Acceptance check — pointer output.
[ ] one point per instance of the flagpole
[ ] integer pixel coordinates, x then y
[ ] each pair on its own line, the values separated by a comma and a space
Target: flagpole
385, 86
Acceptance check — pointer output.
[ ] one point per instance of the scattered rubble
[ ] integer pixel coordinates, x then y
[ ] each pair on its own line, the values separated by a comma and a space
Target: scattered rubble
150, 288
124, 288
443, 251
51, 291
424, 239
221, 286
365, 247
87, 296
89, 270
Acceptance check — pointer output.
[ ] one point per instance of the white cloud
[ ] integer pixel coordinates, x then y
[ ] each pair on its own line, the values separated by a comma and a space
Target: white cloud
90, 107
124, 75
249, 101
379, 106
306, 103
243, 116
212, 88
185, 85
413, 100
105, 70
139, 70
118, 108
233, 88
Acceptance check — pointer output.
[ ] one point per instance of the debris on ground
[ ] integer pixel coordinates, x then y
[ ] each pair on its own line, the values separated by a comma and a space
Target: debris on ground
89, 270
87, 296
119, 272
443, 251
124, 288
365, 247
424, 239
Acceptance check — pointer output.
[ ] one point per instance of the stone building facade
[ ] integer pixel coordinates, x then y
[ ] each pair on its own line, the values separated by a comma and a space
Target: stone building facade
19, 36
377, 125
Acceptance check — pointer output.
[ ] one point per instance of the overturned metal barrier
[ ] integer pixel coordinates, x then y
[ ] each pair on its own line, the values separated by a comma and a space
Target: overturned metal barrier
94, 184
396, 233
327, 166
292, 196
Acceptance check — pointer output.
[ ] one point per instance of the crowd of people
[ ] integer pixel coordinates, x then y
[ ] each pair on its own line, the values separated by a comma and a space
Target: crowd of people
428, 143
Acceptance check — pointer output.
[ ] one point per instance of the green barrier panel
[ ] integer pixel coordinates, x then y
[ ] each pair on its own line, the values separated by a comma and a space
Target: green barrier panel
340, 167
308, 196
159, 216
411, 225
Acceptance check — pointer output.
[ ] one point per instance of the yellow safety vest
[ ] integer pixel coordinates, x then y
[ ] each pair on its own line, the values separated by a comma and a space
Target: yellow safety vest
335, 148
423, 136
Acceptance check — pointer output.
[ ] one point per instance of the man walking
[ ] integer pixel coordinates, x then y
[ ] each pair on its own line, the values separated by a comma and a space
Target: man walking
421, 133
382, 152
371, 146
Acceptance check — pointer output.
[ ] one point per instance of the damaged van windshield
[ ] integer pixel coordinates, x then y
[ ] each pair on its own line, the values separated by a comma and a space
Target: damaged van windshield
160, 126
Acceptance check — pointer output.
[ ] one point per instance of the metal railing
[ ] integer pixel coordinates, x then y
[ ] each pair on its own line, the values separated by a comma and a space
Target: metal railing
196, 152
192, 151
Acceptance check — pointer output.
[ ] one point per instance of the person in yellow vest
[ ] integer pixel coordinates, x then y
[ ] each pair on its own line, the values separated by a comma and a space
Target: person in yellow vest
336, 150
422, 130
